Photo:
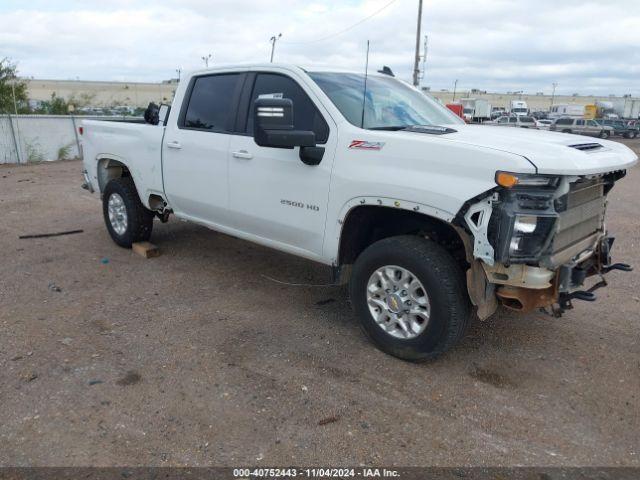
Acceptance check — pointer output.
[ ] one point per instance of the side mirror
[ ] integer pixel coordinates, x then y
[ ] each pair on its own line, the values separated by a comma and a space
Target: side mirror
273, 125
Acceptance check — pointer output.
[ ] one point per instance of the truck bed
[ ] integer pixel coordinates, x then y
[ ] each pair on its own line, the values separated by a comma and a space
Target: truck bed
137, 145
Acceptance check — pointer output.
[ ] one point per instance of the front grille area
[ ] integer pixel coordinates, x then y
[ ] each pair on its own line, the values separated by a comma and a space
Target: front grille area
581, 217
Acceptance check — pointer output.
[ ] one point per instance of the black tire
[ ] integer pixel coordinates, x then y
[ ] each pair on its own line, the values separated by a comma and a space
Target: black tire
604, 134
443, 282
566, 130
139, 219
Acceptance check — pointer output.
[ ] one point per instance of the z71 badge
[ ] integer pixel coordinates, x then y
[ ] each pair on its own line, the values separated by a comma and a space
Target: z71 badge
364, 145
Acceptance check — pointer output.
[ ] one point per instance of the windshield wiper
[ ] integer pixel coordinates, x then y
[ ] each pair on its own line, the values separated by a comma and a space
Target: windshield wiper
432, 129
391, 128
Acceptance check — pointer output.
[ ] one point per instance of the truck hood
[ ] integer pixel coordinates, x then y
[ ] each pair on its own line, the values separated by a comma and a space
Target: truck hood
550, 152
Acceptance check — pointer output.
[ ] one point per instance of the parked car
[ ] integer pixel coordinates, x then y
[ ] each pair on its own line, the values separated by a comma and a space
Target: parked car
544, 123
521, 121
581, 127
622, 128
422, 215
497, 112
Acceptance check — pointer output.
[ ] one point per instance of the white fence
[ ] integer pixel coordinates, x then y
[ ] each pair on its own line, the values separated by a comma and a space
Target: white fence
37, 138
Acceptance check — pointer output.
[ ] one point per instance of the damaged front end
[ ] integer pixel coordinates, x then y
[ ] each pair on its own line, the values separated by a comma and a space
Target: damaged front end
537, 238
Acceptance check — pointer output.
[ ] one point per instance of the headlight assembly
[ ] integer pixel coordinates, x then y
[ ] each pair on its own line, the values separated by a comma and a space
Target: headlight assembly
523, 220
529, 236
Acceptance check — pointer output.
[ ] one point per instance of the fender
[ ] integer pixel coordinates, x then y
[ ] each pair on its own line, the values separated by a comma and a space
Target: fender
334, 233
106, 164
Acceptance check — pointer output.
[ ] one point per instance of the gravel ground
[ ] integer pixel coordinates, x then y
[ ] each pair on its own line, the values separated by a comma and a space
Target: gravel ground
196, 358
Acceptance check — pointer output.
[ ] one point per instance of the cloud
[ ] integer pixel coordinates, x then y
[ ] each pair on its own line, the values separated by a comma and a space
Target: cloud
585, 46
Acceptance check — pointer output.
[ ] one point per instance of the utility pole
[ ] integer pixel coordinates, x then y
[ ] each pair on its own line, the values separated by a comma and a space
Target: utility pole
425, 49
553, 93
206, 59
455, 84
416, 64
273, 41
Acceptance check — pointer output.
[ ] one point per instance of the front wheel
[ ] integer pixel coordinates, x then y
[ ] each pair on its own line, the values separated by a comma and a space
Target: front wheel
604, 134
127, 220
410, 297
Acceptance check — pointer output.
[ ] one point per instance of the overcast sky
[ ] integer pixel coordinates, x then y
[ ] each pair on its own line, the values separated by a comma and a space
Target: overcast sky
586, 46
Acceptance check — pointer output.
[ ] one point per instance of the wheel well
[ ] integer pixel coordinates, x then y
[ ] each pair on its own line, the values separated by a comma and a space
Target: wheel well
367, 224
108, 169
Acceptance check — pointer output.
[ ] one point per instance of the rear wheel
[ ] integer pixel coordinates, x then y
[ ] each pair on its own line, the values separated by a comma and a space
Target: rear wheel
566, 130
410, 297
127, 220
604, 134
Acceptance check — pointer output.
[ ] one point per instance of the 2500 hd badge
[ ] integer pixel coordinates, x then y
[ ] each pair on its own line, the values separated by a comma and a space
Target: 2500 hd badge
292, 203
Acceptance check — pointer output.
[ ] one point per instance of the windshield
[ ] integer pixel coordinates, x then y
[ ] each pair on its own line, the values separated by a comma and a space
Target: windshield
389, 102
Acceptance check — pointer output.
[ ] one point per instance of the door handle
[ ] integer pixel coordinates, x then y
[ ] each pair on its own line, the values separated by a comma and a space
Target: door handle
242, 154
174, 144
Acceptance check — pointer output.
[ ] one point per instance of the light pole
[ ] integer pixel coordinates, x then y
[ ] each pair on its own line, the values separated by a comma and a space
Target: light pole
425, 48
273, 41
178, 71
206, 59
455, 84
416, 62
553, 93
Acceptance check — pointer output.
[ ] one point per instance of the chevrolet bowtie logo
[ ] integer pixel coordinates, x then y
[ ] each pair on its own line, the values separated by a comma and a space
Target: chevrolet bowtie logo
394, 303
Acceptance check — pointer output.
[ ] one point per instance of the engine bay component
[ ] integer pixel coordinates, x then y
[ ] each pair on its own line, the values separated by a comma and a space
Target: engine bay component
519, 275
477, 218
526, 299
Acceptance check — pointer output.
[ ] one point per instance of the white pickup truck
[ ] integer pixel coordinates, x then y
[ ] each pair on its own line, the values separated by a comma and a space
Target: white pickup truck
429, 220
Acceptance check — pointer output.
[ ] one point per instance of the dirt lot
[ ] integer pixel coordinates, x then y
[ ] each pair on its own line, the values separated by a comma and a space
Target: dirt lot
195, 358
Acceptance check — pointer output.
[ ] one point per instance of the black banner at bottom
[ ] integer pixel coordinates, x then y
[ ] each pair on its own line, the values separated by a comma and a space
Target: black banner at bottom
404, 473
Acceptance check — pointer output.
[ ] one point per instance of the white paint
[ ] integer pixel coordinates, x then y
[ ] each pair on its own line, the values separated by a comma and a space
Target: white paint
205, 182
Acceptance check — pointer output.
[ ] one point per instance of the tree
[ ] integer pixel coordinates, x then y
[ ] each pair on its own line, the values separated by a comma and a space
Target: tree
55, 106
13, 90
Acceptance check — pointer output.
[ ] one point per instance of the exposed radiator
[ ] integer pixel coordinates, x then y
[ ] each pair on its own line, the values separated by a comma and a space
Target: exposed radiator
581, 220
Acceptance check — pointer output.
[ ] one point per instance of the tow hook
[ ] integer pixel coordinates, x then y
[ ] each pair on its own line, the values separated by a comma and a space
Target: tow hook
588, 295
565, 298
625, 267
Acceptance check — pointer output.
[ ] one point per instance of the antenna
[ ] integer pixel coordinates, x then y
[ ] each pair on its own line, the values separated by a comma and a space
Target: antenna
364, 93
